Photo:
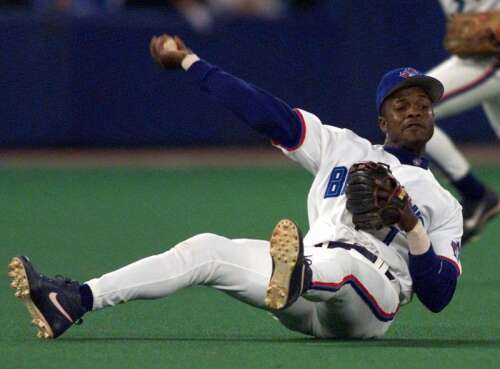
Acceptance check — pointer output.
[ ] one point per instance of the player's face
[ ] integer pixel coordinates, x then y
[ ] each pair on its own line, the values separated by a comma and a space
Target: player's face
407, 119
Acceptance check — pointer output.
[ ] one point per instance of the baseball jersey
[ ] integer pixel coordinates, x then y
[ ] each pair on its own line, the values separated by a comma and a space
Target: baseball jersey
464, 6
328, 152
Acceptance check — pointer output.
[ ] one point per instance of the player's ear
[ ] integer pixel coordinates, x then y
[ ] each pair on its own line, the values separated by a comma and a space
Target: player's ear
382, 123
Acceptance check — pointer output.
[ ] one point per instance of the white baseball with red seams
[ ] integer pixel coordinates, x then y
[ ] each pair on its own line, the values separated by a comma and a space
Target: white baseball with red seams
170, 44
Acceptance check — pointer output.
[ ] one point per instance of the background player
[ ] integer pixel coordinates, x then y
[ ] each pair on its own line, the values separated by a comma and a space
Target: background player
468, 82
354, 281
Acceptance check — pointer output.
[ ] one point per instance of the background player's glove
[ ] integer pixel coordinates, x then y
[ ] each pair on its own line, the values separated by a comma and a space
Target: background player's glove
168, 51
374, 197
473, 34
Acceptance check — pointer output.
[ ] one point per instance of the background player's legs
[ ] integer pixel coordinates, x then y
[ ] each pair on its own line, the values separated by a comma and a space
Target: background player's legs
467, 83
241, 268
352, 298
453, 163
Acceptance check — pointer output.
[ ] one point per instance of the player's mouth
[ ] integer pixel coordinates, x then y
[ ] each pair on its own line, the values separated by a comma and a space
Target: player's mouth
414, 125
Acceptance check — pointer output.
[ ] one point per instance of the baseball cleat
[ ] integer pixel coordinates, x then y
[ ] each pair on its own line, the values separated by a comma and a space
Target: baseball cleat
291, 275
53, 303
478, 213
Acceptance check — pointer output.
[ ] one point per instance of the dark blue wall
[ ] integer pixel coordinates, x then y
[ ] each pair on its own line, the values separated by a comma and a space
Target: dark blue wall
90, 81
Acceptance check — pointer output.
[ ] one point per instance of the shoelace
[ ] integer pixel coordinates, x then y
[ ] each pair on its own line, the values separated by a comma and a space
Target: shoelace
307, 260
59, 277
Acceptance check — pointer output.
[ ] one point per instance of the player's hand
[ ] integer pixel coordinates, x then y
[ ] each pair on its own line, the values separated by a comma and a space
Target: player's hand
376, 199
168, 51
408, 219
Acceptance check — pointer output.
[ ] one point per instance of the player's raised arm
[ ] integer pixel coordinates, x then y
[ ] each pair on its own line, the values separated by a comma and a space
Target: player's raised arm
260, 110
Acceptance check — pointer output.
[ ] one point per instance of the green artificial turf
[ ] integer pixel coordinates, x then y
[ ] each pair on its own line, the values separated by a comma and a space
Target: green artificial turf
82, 223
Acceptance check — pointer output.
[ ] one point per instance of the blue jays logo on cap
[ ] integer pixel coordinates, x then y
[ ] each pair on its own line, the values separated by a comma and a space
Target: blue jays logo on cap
409, 72
399, 78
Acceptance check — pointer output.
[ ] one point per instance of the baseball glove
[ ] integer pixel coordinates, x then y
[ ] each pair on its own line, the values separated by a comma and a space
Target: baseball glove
473, 34
374, 197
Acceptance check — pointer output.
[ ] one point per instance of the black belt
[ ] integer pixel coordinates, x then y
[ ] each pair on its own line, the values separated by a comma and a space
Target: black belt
363, 251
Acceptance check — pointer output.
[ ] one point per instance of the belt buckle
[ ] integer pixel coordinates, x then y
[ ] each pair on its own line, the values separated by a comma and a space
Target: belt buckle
382, 265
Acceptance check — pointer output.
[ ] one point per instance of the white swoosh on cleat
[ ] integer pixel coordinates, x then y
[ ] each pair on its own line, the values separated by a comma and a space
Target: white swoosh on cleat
53, 299
476, 218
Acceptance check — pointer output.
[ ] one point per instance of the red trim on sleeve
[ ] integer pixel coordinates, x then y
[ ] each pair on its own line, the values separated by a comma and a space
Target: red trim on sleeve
302, 131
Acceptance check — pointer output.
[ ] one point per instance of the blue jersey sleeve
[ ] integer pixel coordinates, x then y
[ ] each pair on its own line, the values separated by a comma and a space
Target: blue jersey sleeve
434, 279
259, 109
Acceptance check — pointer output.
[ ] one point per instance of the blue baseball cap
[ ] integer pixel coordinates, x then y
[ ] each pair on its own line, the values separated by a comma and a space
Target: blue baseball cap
407, 77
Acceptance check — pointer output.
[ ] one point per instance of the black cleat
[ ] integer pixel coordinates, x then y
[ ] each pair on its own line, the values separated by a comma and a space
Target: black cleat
477, 213
53, 303
291, 275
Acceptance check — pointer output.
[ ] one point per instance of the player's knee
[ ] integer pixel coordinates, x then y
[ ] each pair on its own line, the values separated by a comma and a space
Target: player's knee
209, 243
202, 240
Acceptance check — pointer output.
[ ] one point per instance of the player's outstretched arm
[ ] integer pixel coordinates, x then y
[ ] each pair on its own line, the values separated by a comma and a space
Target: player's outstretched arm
257, 108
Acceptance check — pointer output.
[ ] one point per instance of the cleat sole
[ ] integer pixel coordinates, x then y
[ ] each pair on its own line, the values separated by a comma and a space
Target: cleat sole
284, 250
21, 284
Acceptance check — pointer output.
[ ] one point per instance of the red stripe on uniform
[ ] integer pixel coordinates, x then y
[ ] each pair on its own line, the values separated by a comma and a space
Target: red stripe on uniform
489, 72
352, 279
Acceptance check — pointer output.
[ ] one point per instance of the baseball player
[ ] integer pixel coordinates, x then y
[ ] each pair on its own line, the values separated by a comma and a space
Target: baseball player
381, 226
468, 81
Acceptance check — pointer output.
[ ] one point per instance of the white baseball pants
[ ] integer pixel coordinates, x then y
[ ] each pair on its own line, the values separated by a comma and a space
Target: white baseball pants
350, 296
467, 83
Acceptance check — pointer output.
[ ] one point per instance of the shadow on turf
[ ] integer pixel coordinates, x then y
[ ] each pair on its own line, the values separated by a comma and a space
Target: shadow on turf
388, 342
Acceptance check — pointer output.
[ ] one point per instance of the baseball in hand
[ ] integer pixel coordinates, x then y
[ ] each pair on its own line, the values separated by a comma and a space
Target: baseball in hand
170, 45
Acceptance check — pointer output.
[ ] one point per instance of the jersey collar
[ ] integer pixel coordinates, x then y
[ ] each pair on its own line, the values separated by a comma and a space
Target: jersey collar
408, 158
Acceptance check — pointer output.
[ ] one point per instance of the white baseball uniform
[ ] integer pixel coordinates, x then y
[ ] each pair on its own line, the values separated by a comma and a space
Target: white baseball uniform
468, 82
350, 296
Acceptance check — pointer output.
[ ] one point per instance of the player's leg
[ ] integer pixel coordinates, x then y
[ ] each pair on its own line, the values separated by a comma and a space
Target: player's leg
359, 300
351, 297
241, 268
467, 84
302, 316
346, 299
453, 164
479, 211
